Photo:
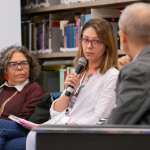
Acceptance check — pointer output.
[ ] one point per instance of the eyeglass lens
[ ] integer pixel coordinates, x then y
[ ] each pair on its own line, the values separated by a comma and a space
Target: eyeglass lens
14, 65
94, 43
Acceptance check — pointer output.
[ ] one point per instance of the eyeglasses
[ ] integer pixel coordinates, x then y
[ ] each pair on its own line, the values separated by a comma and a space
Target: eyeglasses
94, 43
14, 65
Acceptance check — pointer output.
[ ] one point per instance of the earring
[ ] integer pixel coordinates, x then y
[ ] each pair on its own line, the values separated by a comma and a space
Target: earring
6, 77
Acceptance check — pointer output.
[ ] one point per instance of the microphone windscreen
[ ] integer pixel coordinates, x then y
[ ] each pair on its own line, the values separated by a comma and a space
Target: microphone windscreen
82, 61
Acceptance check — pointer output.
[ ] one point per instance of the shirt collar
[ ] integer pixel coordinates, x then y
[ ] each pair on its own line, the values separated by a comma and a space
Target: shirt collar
19, 87
136, 56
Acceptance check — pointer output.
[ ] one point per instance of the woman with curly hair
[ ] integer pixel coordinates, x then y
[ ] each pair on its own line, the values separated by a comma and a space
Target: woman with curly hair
19, 94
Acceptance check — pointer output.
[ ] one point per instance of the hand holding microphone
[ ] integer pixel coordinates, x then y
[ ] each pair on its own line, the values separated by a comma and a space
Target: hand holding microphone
74, 79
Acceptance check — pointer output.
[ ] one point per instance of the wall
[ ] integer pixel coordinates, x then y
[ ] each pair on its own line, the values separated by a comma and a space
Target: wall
10, 23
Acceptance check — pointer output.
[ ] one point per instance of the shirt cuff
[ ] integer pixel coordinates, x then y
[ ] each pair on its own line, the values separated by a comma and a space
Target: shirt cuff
53, 113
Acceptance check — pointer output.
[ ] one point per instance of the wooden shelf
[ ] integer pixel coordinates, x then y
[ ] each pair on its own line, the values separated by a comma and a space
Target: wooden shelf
63, 8
56, 55
65, 54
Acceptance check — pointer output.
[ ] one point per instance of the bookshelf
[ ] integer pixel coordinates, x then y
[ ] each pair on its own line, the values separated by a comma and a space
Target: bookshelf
78, 7
64, 11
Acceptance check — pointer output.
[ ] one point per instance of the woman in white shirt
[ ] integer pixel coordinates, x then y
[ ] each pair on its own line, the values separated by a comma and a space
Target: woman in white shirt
96, 95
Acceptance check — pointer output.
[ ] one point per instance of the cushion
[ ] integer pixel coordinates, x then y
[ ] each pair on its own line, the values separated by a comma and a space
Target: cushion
42, 110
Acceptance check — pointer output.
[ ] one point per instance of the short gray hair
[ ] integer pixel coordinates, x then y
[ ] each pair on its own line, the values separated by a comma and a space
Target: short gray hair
5, 56
135, 22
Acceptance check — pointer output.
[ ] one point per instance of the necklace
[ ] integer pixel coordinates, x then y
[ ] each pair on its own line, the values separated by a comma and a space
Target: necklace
2, 107
1, 90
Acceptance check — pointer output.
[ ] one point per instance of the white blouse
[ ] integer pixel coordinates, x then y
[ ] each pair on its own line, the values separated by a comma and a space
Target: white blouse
94, 102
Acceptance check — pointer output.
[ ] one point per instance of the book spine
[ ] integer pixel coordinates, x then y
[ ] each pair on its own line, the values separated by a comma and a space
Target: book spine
35, 35
41, 36
68, 38
79, 30
65, 36
38, 36
47, 34
43, 43
62, 79
61, 34
72, 36
56, 36
76, 37
42, 3
27, 35
61, 39
32, 37
87, 17
77, 26
82, 19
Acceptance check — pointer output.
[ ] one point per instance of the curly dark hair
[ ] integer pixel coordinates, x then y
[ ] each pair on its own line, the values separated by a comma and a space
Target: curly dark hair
5, 56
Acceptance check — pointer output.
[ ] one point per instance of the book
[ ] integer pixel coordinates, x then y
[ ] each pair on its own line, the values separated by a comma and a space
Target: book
55, 29
61, 35
75, 36
87, 17
77, 31
70, 70
30, 37
62, 79
82, 20
68, 35
26, 124
63, 24
72, 36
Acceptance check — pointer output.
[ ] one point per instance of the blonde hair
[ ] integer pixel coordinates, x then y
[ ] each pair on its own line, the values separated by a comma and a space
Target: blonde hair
105, 33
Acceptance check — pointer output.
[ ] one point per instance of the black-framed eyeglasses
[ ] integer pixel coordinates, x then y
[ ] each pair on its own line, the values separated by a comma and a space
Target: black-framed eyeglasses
94, 43
14, 65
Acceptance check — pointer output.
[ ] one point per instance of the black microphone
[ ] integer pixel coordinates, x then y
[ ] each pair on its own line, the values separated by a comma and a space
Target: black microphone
81, 63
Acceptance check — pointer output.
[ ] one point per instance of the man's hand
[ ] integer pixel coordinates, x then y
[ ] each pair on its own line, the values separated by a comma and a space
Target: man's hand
122, 61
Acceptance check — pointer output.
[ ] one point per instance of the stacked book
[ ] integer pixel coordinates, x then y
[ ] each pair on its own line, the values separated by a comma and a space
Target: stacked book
29, 4
53, 35
70, 33
64, 2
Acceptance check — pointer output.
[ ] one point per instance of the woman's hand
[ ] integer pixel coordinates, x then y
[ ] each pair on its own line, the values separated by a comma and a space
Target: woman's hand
63, 102
72, 80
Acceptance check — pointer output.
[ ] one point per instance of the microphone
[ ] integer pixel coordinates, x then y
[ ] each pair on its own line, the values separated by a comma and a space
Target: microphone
81, 63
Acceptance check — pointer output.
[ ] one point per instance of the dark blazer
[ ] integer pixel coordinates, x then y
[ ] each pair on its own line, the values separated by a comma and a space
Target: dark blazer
133, 92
